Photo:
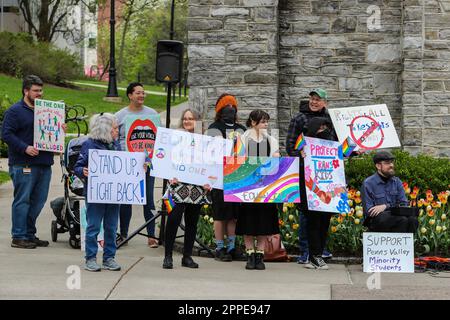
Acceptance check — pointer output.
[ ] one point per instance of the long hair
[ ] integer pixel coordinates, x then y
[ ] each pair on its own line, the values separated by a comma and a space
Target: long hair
101, 126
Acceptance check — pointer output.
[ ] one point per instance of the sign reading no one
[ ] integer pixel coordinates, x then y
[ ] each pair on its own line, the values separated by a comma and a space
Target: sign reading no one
388, 252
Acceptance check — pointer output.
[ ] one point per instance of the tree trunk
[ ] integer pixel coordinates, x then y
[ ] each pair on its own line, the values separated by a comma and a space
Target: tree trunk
122, 42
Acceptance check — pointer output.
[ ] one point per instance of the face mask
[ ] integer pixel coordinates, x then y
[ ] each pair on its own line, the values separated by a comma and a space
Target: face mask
228, 115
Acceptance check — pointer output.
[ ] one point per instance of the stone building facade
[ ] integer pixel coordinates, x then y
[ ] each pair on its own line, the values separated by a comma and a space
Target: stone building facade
271, 53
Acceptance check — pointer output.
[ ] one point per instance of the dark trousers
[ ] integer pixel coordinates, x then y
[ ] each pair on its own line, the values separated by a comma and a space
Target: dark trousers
317, 230
191, 214
385, 222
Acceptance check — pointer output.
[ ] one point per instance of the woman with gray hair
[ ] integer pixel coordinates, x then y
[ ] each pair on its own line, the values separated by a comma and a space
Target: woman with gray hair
104, 132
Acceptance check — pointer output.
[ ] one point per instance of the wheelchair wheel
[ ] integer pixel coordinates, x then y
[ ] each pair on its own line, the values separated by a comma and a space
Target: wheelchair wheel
75, 243
54, 231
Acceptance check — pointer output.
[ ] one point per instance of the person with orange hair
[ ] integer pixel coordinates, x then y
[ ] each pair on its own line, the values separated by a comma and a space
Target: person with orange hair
225, 213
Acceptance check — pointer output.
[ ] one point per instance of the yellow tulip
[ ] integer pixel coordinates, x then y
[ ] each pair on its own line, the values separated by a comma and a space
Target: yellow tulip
285, 209
428, 208
357, 221
358, 194
359, 213
287, 235
438, 229
291, 217
431, 222
205, 206
350, 203
443, 217
423, 230
206, 217
420, 212
444, 228
333, 229
343, 214
295, 226
211, 220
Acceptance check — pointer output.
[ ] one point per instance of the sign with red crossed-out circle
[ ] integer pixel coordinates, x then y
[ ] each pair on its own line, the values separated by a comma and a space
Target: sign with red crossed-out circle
370, 138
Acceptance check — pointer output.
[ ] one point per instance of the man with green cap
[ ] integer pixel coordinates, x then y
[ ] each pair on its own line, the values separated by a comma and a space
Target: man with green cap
316, 107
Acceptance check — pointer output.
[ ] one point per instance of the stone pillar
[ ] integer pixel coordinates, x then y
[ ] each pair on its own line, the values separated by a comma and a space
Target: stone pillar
233, 47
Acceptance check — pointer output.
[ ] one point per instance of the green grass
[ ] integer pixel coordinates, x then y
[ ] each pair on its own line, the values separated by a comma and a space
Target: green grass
91, 98
4, 177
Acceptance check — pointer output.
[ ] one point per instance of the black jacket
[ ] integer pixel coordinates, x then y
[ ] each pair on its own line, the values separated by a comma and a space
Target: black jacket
299, 124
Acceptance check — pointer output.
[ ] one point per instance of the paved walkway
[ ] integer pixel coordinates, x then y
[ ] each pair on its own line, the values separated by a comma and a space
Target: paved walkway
43, 273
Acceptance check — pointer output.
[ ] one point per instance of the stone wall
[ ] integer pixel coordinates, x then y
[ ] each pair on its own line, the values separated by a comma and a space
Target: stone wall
272, 53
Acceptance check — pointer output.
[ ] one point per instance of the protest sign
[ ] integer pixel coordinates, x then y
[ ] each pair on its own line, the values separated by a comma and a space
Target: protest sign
49, 117
388, 252
189, 157
370, 127
325, 176
116, 177
262, 180
140, 133
83, 227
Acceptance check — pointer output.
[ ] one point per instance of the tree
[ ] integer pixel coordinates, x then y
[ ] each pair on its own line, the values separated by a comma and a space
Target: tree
47, 18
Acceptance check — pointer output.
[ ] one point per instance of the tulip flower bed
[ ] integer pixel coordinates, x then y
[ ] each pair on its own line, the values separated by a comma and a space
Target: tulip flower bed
345, 234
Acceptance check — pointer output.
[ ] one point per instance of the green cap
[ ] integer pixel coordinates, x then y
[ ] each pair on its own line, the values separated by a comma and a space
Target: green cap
320, 92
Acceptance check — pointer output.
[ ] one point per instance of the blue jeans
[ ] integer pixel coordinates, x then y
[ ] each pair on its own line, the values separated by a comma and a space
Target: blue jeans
95, 213
30, 195
303, 233
126, 211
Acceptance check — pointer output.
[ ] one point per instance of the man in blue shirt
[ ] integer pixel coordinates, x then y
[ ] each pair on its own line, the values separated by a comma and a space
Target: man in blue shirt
29, 168
381, 192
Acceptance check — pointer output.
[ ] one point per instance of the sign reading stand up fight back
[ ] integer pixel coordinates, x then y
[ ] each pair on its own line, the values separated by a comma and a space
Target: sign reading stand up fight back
116, 177
49, 117
370, 127
325, 176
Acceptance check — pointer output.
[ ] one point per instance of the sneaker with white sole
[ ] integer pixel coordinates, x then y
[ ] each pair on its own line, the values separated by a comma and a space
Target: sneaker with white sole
111, 264
316, 262
327, 254
304, 258
91, 265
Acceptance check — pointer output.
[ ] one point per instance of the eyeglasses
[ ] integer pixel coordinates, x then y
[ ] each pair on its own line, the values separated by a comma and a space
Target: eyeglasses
188, 119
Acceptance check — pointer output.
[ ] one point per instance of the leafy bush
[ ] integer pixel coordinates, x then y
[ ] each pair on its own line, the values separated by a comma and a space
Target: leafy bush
20, 55
5, 103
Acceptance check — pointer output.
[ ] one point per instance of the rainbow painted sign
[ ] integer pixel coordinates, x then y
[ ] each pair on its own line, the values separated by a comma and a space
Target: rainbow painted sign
261, 180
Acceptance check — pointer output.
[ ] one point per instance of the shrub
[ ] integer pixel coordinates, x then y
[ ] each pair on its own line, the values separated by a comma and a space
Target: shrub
21, 55
5, 103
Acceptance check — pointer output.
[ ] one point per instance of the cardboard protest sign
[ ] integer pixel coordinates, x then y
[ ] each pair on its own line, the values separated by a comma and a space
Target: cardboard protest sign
189, 157
83, 227
325, 176
370, 127
388, 252
262, 180
116, 177
49, 117
140, 133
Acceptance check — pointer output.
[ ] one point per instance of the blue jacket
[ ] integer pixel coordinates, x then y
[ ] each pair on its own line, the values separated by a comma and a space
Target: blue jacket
375, 192
17, 132
83, 158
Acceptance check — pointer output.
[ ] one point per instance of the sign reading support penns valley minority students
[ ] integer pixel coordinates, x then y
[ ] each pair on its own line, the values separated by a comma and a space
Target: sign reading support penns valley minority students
388, 252
116, 177
49, 117
190, 157
370, 127
325, 176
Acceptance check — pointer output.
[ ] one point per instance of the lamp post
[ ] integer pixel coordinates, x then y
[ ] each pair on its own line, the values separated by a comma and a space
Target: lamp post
112, 94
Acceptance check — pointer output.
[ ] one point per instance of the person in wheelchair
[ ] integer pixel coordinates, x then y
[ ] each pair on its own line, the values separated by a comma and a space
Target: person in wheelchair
383, 196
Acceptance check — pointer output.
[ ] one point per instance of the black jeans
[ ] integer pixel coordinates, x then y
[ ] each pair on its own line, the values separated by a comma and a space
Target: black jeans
317, 230
385, 222
191, 214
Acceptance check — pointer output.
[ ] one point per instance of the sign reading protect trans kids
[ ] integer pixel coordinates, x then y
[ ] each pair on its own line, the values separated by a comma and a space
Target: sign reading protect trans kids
370, 127
48, 120
388, 252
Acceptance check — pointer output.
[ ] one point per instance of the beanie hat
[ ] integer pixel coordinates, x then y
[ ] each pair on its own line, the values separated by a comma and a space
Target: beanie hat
226, 100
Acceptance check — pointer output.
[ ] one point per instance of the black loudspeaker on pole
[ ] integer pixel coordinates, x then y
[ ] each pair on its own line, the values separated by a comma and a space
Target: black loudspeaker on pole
169, 61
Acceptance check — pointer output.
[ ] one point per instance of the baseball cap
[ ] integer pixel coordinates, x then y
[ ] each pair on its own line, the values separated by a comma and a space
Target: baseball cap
320, 92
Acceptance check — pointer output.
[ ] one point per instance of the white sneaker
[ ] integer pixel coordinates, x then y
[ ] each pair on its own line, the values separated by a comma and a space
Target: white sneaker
316, 262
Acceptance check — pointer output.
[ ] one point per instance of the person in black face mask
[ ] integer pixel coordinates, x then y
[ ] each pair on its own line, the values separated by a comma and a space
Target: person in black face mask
225, 213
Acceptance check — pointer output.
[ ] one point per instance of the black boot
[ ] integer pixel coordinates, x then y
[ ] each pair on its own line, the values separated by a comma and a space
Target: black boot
250, 261
187, 261
168, 262
259, 264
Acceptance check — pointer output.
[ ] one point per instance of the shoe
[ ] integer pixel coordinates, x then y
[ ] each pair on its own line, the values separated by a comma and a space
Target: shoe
119, 240
91, 265
187, 261
40, 243
168, 262
259, 261
250, 261
326, 254
23, 244
316, 262
111, 264
222, 255
152, 243
237, 255
304, 258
